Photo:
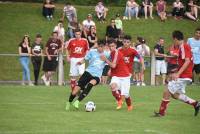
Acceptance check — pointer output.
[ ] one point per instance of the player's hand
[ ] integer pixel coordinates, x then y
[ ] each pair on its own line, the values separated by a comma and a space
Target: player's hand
49, 58
175, 76
103, 57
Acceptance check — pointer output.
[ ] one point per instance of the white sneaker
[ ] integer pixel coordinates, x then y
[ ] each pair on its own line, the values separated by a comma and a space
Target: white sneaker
30, 84
47, 83
138, 84
23, 84
44, 79
143, 84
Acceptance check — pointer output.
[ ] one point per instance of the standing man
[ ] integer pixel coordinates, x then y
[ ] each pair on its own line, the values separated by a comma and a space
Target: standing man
194, 43
176, 87
120, 82
161, 67
70, 12
76, 50
53, 46
91, 77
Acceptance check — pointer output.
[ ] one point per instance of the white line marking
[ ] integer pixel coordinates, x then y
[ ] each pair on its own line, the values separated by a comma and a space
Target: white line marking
154, 131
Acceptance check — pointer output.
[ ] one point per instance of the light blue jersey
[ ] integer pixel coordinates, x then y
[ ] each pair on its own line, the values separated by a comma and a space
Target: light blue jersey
195, 45
96, 65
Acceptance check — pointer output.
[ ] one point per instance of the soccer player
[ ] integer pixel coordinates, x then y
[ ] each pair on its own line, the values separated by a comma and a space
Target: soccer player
176, 87
194, 42
120, 82
76, 50
91, 76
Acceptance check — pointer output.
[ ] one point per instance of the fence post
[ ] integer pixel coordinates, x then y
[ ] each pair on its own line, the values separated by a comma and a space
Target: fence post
153, 66
60, 69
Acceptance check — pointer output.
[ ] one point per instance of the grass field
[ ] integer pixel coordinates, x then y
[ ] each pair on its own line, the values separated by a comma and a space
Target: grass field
18, 19
41, 110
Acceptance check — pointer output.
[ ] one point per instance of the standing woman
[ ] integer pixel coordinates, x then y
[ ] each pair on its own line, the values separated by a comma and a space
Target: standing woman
37, 51
24, 52
92, 37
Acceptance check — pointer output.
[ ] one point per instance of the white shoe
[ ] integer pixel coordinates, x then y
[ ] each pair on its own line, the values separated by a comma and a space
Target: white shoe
138, 84
44, 79
143, 84
23, 84
30, 84
47, 83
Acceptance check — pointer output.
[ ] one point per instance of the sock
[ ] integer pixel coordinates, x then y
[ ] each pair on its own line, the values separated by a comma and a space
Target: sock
186, 99
128, 101
85, 92
117, 95
73, 84
163, 106
71, 97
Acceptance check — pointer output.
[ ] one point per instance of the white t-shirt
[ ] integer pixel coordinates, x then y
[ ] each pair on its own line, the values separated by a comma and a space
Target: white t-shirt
88, 24
100, 9
60, 30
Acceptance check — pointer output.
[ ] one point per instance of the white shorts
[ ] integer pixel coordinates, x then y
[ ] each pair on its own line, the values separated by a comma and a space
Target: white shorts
76, 70
179, 85
161, 67
123, 84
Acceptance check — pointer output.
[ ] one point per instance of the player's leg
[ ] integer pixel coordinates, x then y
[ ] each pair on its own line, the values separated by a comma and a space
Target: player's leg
158, 71
163, 71
73, 72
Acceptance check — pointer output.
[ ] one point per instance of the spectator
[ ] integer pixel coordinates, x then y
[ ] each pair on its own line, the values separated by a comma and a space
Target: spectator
92, 37
53, 46
192, 10
37, 51
87, 24
119, 25
48, 9
161, 9
143, 50
101, 11
24, 52
178, 9
160, 61
60, 30
147, 7
69, 12
194, 42
132, 9
111, 31
72, 25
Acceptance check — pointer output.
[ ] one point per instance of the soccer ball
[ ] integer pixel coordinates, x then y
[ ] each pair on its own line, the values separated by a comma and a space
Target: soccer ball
90, 106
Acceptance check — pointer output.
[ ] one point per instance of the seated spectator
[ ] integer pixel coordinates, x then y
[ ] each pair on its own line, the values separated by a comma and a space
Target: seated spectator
72, 25
92, 37
48, 9
69, 12
60, 30
178, 9
147, 6
24, 52
111, 31
87, 24
192, 10
143, 50
132, 9
37, 51
101, 11
161, 9
119, 24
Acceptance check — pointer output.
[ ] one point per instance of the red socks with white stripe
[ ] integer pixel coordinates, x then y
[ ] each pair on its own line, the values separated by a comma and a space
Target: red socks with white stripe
163, 106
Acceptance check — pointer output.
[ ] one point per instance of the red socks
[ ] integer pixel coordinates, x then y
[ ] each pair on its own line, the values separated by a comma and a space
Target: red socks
73, 84
117, 95
128, 101
163, 107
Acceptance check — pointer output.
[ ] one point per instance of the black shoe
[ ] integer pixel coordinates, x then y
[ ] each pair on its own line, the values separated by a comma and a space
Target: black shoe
157, 114
196, 108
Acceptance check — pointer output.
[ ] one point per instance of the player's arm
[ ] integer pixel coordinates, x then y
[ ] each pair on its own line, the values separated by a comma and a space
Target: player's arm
159, 54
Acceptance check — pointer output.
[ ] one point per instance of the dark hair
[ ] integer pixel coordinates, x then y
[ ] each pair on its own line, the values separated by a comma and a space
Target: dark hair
112, 40
68, 3
38, 35
177, 35
55, 32
127, 37
101, 42
24, 38
77, 30
197, 29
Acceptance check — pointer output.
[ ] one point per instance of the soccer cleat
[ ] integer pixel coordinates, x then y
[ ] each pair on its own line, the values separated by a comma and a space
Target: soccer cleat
119, 104
196, 108
68, 104
130, 108
157, 114
76, 104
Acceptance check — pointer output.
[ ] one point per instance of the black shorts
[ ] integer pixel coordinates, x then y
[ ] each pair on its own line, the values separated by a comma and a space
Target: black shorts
50, 65
105, 70
86, 78
172, 68
196, 68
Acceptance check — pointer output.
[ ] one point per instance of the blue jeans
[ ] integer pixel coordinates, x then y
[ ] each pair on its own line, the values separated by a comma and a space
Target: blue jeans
24, 60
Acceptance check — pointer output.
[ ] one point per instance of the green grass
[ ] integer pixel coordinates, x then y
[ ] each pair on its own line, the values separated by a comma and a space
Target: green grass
18, 19
41, 110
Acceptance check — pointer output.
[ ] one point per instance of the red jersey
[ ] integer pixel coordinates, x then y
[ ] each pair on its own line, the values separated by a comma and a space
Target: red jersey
129, 54
185, 52
121, 69
77, 47
173, 51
